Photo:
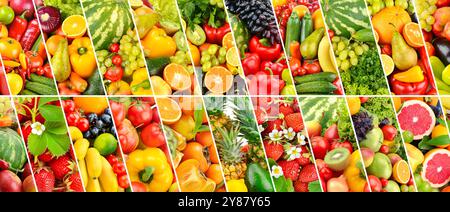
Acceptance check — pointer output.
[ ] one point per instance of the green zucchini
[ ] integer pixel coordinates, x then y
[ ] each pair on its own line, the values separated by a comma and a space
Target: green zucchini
42, 80
28, 93
95, 85
156, 65
364, 35
322, 76
40, 89
307, 27
292, 31
316, 87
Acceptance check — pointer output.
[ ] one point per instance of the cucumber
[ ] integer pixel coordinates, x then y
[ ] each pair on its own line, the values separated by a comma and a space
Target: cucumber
316, 87
156, 65
322, 76
292, 31
95, 85
364, 35
28, 93
42, 80
40, 89
307, 27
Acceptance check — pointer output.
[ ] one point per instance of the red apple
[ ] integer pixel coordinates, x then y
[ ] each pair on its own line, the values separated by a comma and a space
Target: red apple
9, 182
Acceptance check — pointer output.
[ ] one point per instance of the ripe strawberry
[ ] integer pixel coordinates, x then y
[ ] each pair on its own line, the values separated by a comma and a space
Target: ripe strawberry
26, 170
272, 125
46, 157
295, 121
290, 169
61, 166
301, 186
308, 174
304, 160
45, 180
261, 115
73, 183
274, 150
285, 109
72, 153
26, 131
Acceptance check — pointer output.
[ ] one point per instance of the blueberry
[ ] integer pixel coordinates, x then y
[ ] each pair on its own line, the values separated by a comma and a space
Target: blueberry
113, 131
108, 111
99, 124
87, 134
92, 118
106, 119
95, 131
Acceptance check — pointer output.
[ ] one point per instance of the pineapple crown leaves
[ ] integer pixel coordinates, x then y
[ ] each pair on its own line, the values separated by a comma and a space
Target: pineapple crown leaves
230, 147
244, 114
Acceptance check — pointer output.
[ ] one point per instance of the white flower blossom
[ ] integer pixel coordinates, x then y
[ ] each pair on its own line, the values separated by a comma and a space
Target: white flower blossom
275, 135
289, 133
37, 128
277, 171
294, 152
301, 139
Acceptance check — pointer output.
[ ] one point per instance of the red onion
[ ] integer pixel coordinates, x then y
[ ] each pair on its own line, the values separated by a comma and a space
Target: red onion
50, 18
23, 6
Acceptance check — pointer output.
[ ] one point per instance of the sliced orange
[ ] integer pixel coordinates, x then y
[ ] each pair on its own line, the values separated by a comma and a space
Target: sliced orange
228, 41
177, 76
401, 172
195, 54
190, 104
169, 110
412, 34
388, 64
52, 43
218, 80
74, 26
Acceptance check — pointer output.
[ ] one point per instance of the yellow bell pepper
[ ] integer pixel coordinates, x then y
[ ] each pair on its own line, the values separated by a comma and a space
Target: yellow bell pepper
150, 167
191, 179
277, 3
355, 179
236, 186
414, 74
140, 84
157, 44
82, 57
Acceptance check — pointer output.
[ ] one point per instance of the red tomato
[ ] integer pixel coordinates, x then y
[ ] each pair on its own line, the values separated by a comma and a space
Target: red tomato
83, 124
389, 132
72, 119
117, 60
138, 187
114, 73
156, 115
118, 111
345, 144
384, 149
153, 136
363, 99
312, 66
149, 100
112, 159
119, 168
128, 136
320, 147
68, 105
114, 48
140, 114
123, 181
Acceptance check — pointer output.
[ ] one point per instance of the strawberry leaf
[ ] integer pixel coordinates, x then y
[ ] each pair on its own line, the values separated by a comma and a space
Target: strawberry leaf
36, 144
45, 100
58, 145
314, 186
51, 113
58, 128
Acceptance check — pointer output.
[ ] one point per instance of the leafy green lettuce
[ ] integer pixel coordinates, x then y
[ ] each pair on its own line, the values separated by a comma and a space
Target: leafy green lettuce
168, 11
66, 7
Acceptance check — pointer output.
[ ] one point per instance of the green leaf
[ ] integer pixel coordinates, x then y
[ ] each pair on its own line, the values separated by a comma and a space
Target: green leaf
58, 128
36, 144
423, 144
314, 186
58, 145
45, 100
439, 141
442, 122
51, 113
289, 186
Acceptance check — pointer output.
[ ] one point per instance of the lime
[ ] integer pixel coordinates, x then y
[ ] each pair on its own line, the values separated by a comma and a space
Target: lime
286, 76
106, 144
408, 137
288, 90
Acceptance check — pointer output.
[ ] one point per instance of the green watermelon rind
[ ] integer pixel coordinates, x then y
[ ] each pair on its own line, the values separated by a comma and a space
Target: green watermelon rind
12, 149
346, 17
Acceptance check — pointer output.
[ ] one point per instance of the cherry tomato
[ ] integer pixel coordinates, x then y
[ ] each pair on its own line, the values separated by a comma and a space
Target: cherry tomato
389, 132
117, 60
68, 106
312, 66
72, 119
326, 173
112, 159
363, 99
140, 114
345, 144
386, 49
384, 149
83, 124
153, 136
119, 169
123, 181
39, 71
114, 73
48, 71
384, 182
320, 147
330, 33
114, 48
138, 187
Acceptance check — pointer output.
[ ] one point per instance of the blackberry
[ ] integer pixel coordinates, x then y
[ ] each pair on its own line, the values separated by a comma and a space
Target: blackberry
363, 124
258, 16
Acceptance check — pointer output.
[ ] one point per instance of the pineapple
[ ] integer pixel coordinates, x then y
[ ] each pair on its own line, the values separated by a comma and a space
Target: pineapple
233, 159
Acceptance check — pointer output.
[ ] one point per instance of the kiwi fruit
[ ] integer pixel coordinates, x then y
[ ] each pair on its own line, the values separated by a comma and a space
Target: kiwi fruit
338, 159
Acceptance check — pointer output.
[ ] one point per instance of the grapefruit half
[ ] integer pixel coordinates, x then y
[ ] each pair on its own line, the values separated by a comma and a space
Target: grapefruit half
417, 117
436, 167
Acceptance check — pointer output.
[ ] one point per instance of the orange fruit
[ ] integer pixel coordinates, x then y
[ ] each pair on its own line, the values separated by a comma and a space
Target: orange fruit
228, 41
318, 19
397, 103
435, 167
169, 110
177, 76
213, 154
446, 189
401, 172
440, 130
413, 34
388, 64
96, 105
205, 138
189, 105
218, 80
389, 20
301, 10
215, 173
354, 104
195, 54
52, 43
74, 26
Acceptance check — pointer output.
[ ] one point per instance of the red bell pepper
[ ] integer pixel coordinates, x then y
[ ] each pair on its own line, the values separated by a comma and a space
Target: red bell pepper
312, 66
30, 36
18, 27
215, 35
264, 49
251, 64
262, 83
403, 88
427, 36
275, 68
442, 3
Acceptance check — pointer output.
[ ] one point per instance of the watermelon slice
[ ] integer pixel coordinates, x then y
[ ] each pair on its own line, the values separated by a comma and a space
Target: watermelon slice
436, 167
417, 117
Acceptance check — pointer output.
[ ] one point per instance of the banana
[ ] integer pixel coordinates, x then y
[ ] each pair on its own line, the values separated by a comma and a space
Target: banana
83, 171
93, 186
93, 163
325, 56
81, 147
446, 103
108, 179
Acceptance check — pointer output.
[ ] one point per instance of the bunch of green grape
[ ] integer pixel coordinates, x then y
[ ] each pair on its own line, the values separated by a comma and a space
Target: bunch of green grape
213, 56
375, 6
425, 10
347, 52
183, 58
218, 3
130, 51
5, 106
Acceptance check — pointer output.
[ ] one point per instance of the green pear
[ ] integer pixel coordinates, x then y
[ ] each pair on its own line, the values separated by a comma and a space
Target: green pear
403, 55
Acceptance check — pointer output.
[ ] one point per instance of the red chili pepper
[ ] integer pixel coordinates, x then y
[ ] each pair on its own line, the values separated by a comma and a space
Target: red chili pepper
386, 49
264, 49
18, 27
262, 83
215, 35
403, 88
296, 65
339, 90
30, 35
251, 63
425, 65
274, 68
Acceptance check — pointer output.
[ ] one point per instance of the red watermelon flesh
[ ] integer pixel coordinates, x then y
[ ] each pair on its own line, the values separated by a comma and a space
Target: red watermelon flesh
417, 117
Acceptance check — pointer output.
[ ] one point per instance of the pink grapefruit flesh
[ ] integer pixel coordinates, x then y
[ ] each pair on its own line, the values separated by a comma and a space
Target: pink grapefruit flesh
436, 168
417, 117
